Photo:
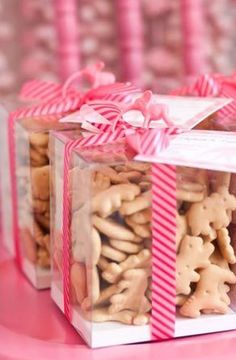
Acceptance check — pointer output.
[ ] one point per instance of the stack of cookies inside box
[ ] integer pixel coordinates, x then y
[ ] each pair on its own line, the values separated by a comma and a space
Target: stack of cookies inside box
120, 267
114, 283
33, 196
204, 248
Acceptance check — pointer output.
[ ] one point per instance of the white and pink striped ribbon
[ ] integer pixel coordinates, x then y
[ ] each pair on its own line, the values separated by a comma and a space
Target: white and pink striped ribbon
163, 251
213, 85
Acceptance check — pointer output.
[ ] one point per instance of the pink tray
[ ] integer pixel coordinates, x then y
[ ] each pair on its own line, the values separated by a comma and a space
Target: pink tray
32, 328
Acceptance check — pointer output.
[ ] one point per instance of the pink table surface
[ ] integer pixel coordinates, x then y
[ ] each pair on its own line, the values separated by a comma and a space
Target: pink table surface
32, 328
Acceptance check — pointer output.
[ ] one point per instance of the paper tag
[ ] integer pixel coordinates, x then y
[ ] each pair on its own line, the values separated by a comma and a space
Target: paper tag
213, 150
187, 112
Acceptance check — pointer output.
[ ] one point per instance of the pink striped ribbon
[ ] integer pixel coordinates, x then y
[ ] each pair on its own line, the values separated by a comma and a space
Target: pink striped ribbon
213, 85
163, 251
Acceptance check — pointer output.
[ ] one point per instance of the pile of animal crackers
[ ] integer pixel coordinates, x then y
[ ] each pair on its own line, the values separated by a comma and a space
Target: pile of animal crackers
34, 199
111, 266
204, 249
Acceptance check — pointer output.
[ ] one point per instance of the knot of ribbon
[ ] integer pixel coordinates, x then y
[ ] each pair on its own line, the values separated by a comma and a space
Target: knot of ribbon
99, 116
57, 100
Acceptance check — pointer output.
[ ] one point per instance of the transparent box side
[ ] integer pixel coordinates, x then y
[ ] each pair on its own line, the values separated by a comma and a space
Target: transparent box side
33, 202
5, 185
56, 185
105, 244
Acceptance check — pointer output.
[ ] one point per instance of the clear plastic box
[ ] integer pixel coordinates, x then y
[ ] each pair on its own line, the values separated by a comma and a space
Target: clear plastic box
29, 185
110, 200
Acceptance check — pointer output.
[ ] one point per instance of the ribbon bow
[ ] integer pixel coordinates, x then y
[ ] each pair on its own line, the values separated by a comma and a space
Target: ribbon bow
56, 100
99, 116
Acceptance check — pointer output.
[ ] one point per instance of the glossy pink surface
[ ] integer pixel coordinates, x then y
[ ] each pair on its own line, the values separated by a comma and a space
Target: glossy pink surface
32, 328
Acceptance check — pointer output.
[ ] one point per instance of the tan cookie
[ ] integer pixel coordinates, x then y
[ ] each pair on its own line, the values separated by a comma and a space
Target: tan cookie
41, 206
148, 244
102, 263
47, 242
144, 230
86, 242
78, 282
141, 217
133, 285
100, 182
181, 229
81, 235
77, 176
110, 200
37, 159
115, 178
211, 213
43, 220
39, 139
28, 244
40, 237
193, 255
41, 150
93, 287
102, 315
220, 179
138, 166
96, 247
181, 299
147, 178
142, 202
106, 294
211, 236
114, 271
112, 229
133, 176
113, 254
40, 182
207, 295
224, 243
126, 246
145, 186
223, 290
190, 192
43, 258
202, 177
121, 168
141, 319
217, 259
149, 289
193, 176
125, 317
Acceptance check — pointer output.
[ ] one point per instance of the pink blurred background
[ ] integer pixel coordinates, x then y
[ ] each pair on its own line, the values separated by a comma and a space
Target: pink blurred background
156, 44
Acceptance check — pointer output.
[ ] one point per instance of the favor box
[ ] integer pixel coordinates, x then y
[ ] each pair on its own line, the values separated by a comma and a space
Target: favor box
143, 245
25, 188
